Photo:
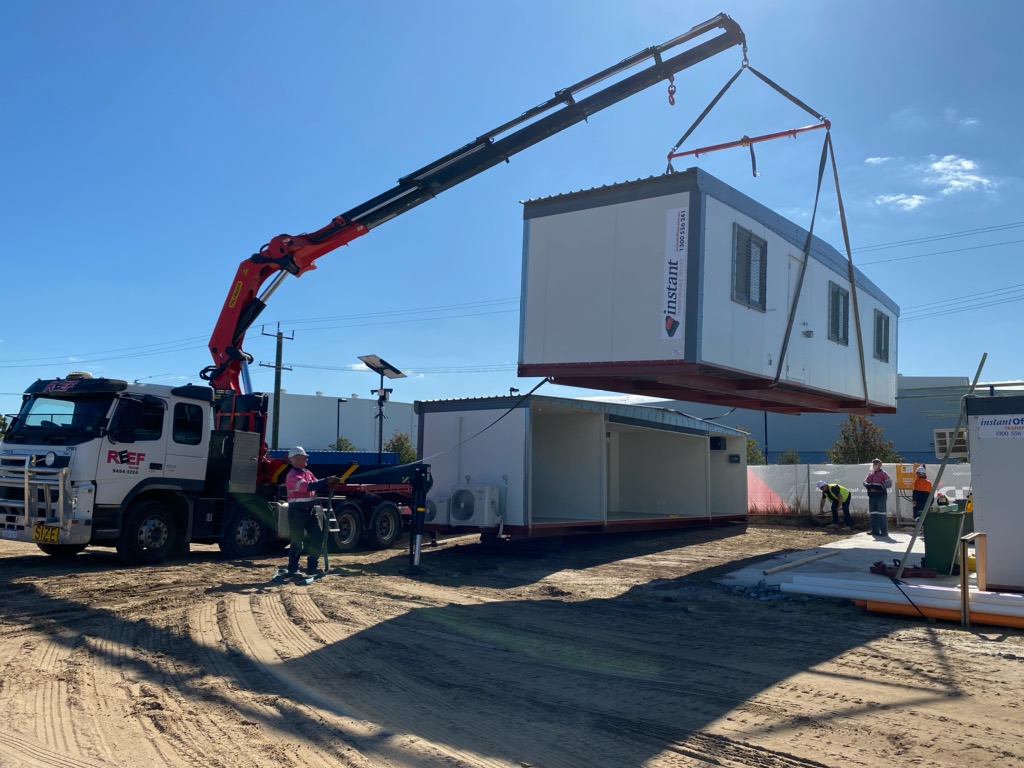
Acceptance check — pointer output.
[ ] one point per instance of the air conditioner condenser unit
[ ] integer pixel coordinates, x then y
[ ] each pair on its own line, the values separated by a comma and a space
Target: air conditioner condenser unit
437, 512
476, 505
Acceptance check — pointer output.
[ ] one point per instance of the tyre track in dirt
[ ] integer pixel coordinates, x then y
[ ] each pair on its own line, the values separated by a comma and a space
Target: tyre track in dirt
288, 635
381, 689
604, 654
16, 750
115, 705
319, 731
539, 642
817, 714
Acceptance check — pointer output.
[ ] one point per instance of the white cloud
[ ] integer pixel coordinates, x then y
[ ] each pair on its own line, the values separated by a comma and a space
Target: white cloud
902, 202
952, 115
911, 120
954, 174
931, 180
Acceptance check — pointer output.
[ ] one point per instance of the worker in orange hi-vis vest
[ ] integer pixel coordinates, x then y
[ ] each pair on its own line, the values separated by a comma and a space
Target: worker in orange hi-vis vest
922, 489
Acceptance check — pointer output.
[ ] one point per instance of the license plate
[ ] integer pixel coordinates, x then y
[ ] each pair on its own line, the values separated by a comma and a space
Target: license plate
7, 533
45, 534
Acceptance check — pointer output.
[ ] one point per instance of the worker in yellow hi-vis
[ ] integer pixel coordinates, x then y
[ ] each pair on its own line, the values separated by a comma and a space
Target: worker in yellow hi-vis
837, 494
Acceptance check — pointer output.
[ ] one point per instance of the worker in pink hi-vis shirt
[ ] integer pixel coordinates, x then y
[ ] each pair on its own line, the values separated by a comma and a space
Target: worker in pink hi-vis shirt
878, 484
304, 525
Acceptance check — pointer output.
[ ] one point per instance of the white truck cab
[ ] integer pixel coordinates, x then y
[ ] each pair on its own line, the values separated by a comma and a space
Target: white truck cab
137, 466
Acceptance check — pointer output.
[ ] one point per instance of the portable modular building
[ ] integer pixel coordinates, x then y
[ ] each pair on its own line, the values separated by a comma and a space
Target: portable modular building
681, 287
539, 466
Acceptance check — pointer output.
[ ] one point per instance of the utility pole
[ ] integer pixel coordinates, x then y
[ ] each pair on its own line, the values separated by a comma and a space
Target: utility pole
278, 367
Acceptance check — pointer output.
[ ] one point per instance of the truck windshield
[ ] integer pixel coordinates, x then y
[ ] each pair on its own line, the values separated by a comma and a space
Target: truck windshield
59, 420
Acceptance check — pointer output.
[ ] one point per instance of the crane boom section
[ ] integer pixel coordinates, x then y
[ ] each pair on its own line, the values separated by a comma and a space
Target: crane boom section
296, 254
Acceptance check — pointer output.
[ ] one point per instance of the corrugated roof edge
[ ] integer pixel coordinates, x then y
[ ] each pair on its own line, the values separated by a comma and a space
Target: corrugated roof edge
655, 414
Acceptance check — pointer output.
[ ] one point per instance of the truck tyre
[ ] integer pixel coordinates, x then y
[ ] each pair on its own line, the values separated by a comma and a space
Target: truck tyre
385, 526
62, 551
148, 535
245, 533
350, 528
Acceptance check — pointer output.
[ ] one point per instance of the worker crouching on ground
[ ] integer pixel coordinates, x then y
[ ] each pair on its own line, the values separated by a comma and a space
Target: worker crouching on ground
878, 484
304, 524
922, 490
837, 494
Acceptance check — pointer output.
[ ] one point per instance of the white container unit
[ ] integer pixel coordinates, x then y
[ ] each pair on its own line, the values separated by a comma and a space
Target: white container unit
681, 287
995, 434
541, 466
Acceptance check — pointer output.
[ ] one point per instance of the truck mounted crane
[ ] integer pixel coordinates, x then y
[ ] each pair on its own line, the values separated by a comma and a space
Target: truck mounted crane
150, 468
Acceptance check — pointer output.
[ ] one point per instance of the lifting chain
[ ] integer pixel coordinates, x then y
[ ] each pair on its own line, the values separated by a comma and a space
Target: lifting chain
671, 91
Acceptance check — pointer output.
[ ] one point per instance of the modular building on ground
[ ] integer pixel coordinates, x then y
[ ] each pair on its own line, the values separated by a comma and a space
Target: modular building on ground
681, 287
540, 466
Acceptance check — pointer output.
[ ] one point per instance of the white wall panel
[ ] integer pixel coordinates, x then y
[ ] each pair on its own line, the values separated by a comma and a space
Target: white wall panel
493, 457
594, 283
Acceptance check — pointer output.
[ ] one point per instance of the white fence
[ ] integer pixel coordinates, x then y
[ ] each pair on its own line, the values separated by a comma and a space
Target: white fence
792, 489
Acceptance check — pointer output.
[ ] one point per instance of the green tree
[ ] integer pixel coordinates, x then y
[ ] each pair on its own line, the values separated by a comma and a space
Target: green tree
788, 456
859, 442
342, 444
754, 455
401, 443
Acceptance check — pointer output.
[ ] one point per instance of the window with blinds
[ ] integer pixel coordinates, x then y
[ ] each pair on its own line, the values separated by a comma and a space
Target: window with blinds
881, 336
749, 268
838, 314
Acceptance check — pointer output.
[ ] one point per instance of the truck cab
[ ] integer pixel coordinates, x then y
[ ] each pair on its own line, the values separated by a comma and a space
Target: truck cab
137, 466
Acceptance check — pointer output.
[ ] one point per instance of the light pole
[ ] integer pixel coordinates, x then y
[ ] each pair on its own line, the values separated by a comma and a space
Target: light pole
384, 368
337, 437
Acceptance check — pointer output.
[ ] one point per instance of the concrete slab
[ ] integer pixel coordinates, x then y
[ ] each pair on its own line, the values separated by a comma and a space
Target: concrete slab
849, 558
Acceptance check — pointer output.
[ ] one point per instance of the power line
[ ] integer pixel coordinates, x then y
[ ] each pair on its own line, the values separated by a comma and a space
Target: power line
182, 345
933, 238
487, 368
940, 312
411, 320
405, 311
962, 297
64, 359
939, 253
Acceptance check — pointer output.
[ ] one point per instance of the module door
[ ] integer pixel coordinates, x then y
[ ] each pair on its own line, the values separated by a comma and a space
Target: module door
134, 449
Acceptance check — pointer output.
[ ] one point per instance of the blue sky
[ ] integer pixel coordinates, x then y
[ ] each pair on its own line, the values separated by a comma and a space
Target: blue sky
150, 147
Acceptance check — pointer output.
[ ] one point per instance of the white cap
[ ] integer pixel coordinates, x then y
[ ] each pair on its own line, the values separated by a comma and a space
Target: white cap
822, 483
297, 451
921, 470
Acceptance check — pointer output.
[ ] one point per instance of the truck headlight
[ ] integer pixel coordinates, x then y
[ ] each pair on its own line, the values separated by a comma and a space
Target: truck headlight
51, 459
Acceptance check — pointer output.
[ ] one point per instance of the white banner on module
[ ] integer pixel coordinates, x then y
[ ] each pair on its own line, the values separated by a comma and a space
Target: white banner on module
674, 288
1009, 426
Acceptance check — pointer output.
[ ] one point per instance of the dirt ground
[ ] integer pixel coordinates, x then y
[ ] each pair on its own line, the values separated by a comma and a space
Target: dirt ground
611, 651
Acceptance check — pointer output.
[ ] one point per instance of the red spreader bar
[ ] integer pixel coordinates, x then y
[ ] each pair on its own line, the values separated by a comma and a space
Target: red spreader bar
746, 141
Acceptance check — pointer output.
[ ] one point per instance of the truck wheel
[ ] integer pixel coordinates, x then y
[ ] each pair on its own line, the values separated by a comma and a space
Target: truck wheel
385, 526
148, 535
62, 551
245, 534
350, 525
